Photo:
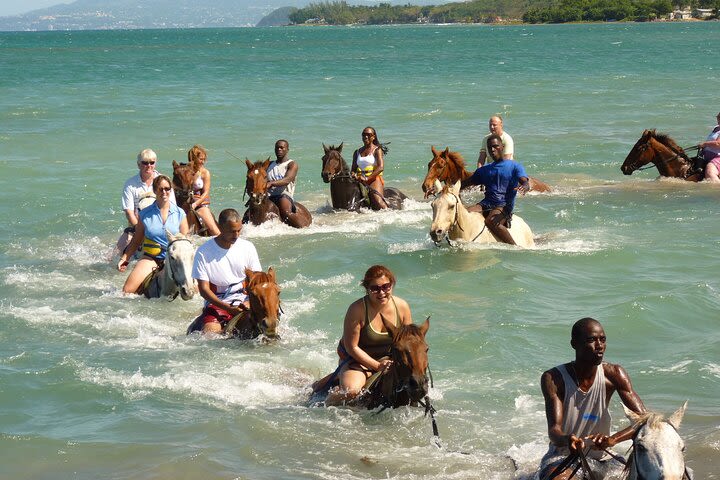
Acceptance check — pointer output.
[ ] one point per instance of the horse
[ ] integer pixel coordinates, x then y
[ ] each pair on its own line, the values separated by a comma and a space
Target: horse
183, 178
260, 207
175, 276
405, 382
669, 158
346, 193
263, 316
449, 167
657, 448
453, 221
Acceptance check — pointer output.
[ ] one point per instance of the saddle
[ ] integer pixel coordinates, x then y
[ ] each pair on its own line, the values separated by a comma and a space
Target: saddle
151, 281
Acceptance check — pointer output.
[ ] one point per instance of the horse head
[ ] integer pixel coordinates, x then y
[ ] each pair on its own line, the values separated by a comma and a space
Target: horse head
444, 208
641, 153
264, 296
409, 353
657, 447
178, 264
257, 180
183, 178
436, 168
333, 163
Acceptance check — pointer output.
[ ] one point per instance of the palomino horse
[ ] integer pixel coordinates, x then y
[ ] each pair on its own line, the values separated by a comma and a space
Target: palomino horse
449, 167
657, 451
345, 192
175, 277
260, 207
183, 178
669, 158
263, 316
453, 221
405, 382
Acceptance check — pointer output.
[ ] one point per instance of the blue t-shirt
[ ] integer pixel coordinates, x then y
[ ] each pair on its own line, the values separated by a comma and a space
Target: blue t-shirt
155, 243
500, 178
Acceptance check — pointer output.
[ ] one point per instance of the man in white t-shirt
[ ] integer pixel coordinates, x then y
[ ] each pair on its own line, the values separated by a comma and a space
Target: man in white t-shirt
495, 125
219, 269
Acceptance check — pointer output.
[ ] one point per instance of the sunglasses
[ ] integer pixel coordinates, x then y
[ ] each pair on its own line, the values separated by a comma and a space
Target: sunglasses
366, 134
145, 162
385, 287
164, 189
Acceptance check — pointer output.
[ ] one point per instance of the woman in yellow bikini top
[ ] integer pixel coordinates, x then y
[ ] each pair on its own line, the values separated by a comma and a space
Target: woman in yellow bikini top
365, 341
368, 165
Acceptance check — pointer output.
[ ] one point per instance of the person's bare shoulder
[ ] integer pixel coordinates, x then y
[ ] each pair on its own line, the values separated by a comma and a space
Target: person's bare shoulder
615, 373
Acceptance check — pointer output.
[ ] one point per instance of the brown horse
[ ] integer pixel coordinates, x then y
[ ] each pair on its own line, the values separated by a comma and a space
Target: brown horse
183, 178
449, 167
260, 207
264, 315
669, 158
345, 192
405, 382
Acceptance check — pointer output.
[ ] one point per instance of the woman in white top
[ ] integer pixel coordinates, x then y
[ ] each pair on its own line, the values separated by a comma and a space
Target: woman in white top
197, 156
367, 167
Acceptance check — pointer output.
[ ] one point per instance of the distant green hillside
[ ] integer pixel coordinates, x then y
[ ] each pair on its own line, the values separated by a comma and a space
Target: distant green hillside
488, 11
277, 18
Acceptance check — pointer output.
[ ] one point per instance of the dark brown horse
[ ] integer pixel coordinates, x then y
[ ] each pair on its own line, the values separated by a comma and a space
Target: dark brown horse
183, 178
264, 315
405, 382
260, 207
449, 167
669, 158
345, 192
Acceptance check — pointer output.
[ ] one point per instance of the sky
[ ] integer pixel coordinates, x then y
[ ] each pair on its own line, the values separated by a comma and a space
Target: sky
16, 7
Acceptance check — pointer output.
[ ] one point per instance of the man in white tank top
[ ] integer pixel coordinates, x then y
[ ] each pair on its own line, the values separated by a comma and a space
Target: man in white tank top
281, 185
577, 395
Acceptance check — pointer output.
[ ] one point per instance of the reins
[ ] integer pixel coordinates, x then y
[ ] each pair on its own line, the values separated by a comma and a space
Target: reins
455, 221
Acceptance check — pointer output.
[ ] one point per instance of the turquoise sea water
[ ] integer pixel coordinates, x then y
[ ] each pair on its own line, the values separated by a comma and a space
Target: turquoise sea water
97, 385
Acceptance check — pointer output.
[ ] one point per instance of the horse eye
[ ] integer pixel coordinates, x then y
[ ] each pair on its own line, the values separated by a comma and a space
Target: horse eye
641, 447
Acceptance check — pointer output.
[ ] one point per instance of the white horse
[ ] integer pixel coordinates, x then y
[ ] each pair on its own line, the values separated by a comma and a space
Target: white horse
657, 447
175, 278
453, 221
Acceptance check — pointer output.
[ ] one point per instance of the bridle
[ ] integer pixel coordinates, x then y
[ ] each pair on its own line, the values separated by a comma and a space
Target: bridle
632, 464
170, 266
635, 166
456, 223
344, 171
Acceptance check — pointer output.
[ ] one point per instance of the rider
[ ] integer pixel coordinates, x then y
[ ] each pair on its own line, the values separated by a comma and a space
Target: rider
576, 401
368, 165
137, 188
711, 152
154, 220
495, 125
219, 269
197, 156
502, 180
281, 183
365, 343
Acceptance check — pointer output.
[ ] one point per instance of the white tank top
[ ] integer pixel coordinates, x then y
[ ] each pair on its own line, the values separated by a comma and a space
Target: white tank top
585, 413
366, 165
277, 171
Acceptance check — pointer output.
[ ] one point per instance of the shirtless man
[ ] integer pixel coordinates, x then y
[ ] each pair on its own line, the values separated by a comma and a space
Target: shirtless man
577, 395
495, 125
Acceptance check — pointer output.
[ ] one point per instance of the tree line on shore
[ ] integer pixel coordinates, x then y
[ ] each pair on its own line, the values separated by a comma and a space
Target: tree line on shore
488, 11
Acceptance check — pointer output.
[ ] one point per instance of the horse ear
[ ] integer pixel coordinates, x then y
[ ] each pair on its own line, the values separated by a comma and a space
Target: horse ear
632, 416
249, 164
249, 273
271, 274
175, 165
392, 329
326, 149
438, 186
446, 153
266, 164
425, 326
677, 417
456, 188
434, 152
170, 236
339, 148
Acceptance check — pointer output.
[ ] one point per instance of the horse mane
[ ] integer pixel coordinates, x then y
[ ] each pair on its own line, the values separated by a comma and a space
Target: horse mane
258, 278
407, 330
669, 142
651, 419
457, 167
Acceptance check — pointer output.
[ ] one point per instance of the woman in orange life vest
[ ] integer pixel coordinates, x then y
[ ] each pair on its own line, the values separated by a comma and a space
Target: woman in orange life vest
368, 165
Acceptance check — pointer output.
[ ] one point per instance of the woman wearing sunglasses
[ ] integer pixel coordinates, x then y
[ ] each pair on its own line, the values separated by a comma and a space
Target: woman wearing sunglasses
150, 232
368, 165
366, 343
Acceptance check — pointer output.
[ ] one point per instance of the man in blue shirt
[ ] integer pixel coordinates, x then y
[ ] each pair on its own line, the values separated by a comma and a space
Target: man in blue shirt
502, 179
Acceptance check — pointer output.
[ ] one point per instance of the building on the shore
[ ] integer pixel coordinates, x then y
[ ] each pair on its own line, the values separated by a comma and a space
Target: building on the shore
684, 14
703, 12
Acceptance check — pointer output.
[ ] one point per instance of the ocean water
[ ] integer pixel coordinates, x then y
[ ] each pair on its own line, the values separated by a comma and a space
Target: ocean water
94, 384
